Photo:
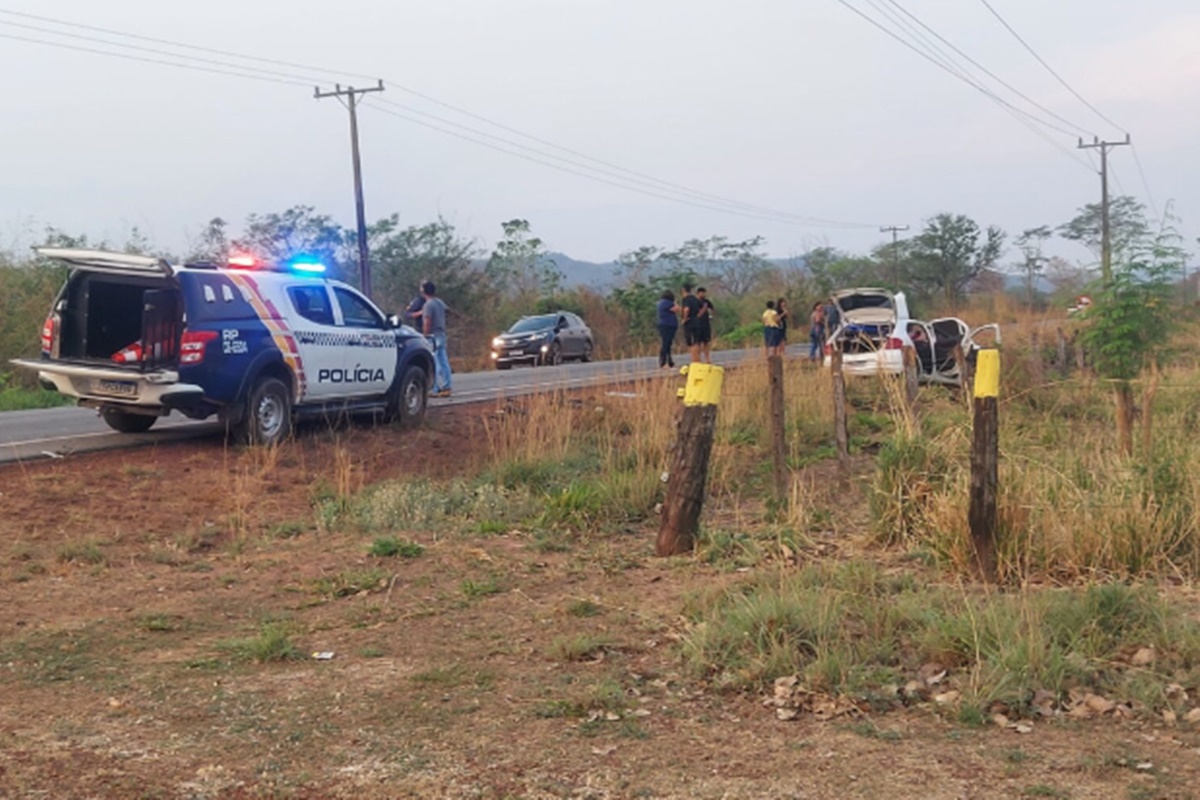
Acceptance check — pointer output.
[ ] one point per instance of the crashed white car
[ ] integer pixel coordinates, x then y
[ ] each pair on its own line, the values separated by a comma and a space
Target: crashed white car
873, 328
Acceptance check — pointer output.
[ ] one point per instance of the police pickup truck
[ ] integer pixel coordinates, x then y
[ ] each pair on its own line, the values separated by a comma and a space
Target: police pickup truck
258, 345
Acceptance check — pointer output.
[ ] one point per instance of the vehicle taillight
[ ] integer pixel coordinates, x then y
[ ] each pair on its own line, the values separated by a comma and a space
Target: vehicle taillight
893, 344
191, 346
48, 335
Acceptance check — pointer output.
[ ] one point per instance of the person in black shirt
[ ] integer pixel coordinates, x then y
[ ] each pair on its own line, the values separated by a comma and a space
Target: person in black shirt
782, 309
705, 331
690, 304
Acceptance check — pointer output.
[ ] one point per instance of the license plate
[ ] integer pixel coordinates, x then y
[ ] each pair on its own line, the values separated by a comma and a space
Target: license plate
123, 388
516, 352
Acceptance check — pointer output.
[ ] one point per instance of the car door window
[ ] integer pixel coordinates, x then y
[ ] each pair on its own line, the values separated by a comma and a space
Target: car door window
312, 303
357, 312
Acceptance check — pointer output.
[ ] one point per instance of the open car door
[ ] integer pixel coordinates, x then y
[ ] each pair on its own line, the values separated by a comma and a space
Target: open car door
984, 336
107, 262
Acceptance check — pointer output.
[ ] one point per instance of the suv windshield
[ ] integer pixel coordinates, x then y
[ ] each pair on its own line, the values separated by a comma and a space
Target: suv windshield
530, 324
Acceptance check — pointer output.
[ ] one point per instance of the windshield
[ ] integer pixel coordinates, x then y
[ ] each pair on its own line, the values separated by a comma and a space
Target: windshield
530, 324
864, 300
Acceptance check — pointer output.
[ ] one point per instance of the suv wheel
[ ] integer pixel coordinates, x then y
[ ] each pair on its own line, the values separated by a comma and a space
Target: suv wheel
588, 351
267, 419
125, 422
553, 356
407, 402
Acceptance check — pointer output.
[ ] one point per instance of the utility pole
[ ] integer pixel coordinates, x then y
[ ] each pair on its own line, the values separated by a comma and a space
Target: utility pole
351, 103
1105, 232
895, 229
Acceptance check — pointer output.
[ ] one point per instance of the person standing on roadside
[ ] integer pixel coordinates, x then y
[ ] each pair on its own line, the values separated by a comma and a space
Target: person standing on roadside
816, 331
433, 324
770, 321
782, 310
707, 311
668, 324
690, 304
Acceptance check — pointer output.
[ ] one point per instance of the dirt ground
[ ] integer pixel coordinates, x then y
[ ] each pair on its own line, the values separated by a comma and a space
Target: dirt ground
124, 576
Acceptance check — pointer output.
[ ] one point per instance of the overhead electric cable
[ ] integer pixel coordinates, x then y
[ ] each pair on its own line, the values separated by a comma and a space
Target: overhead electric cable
965, 79
131, 57
292, 78
561, 168
988, 72
940, 59
1049, 69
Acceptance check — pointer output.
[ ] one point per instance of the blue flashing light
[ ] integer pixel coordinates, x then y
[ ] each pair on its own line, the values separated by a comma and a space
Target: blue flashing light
309, 267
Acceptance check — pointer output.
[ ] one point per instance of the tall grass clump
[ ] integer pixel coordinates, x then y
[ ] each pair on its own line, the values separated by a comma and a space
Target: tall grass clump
1071, 505
854, 629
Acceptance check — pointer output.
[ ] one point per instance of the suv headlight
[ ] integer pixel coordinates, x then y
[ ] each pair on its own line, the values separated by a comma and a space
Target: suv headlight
497, 342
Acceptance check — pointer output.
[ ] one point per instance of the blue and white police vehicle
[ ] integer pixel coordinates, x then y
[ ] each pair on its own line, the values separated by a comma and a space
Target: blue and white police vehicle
258, 345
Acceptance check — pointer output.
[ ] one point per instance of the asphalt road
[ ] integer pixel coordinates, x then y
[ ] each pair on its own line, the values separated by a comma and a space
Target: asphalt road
58, 432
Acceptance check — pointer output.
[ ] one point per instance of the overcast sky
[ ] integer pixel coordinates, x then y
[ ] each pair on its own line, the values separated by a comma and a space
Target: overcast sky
799, 106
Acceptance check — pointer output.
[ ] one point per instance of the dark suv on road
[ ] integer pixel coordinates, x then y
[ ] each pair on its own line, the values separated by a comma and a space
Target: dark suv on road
544, 339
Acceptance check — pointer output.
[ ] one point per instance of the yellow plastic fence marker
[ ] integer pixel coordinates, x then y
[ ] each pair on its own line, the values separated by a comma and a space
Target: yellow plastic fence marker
987, 374
703, 385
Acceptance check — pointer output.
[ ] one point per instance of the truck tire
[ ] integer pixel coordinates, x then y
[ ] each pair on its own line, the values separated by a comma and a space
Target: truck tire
126, 422
267, 418
406, 403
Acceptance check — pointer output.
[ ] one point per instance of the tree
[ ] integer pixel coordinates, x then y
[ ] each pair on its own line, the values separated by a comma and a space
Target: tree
1128, 228
949, 254
300, 230
737, 268
1031, 241
636, 265
1131, 317
212, 244
833, 269
520, 266
403, 258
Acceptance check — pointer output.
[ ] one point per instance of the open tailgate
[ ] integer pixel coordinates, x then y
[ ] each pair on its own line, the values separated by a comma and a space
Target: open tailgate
108, 262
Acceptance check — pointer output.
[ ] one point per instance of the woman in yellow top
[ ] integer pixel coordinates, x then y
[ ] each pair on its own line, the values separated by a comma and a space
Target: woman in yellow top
772, 330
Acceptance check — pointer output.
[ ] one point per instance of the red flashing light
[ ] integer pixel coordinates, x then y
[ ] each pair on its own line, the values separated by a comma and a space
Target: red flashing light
248, 262
191, 346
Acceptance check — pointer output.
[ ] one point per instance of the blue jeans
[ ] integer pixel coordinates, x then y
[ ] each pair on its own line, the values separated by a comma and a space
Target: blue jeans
814, 345
441, 361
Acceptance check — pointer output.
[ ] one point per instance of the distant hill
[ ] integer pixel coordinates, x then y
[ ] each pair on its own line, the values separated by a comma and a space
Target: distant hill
600, 276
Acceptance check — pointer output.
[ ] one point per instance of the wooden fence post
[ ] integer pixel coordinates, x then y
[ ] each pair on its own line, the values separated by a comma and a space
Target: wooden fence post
688, 475
778, 422
912, 376
1037, 375
1062, 353
965, 375
841, 429
985, 459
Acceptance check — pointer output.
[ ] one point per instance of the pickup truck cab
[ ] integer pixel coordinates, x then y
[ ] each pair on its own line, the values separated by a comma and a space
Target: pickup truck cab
137, 338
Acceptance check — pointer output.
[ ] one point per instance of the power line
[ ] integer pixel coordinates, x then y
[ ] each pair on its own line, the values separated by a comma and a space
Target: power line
1145, 184
156, 51
1049, 69
561, 168
987, 71
650, 183
957, 74
947, 64
239, 70
144, 60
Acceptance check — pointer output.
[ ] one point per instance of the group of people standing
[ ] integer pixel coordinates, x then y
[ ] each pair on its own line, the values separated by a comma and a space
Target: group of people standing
695, 312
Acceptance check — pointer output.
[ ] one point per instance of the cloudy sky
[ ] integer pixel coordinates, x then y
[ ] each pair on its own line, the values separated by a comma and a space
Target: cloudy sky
763, 107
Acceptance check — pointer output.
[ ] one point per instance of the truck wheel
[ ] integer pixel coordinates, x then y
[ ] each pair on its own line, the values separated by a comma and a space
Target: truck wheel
126, 422
267, 419
406, 404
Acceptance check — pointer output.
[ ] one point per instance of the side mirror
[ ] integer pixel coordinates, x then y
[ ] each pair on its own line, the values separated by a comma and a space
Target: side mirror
394, 321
